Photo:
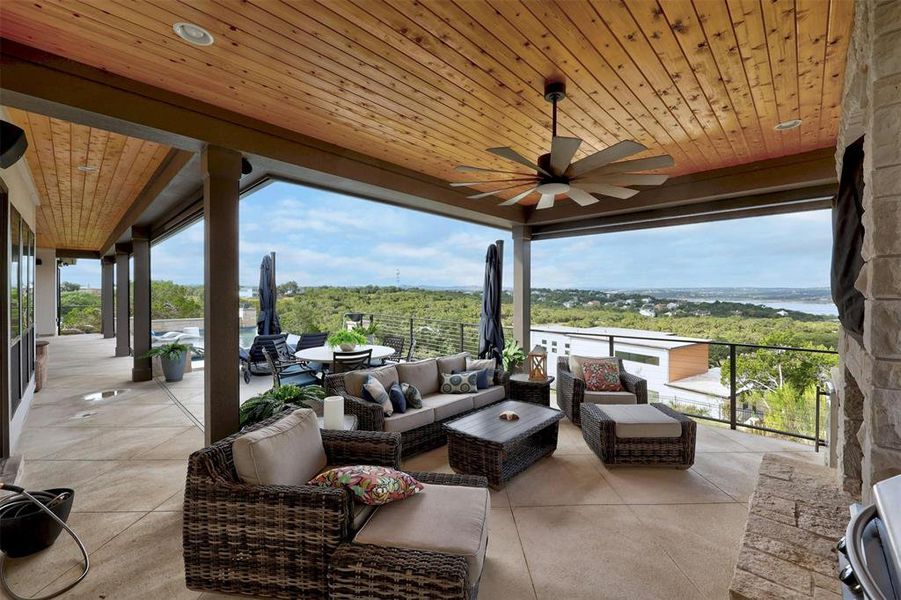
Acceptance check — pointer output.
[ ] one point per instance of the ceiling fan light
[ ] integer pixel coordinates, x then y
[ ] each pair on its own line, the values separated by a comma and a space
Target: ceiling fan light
553, 188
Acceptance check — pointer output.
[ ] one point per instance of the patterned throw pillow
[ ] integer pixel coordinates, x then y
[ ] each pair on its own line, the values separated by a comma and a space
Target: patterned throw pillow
411, 393
481, 377
601, 375
374, 391
459, 383
370, 484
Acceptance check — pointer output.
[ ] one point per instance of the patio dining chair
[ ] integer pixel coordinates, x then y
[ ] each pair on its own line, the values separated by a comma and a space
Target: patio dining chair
342, 362
397, 342
289, 373
311, 340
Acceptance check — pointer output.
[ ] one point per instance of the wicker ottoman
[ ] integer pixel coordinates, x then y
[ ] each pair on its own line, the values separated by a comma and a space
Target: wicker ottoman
622, 436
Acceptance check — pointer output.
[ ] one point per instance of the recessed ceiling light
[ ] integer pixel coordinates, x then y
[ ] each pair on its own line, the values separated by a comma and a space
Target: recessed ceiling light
786, 125
193, 34
86, 168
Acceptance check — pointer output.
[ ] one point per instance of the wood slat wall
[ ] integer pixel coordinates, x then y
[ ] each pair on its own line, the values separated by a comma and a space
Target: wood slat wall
79, 210
430, 85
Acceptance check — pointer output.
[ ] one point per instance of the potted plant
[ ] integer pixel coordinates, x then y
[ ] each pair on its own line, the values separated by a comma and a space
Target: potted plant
513, 356
172, 359
271, 402
346, 340
368, 331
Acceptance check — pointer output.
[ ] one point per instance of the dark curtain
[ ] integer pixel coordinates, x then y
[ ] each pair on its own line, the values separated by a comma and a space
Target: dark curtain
267, 319
847, 239
491, 333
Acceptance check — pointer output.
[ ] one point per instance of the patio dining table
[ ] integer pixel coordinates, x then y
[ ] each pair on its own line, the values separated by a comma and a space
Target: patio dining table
326, 354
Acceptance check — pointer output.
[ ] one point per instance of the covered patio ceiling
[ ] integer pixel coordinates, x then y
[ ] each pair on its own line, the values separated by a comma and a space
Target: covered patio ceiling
393, 96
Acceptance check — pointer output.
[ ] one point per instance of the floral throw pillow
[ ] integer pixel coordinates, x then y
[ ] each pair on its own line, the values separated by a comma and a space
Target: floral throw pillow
370, 484
459, 383
601, 375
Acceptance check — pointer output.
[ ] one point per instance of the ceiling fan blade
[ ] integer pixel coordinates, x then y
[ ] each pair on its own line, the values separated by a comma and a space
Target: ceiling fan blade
492, 192
581, 197
608, 190
606, 156
469, 169
627, 179
629, 166
517, 197
562, 151
546, 201
471, 183
511, 154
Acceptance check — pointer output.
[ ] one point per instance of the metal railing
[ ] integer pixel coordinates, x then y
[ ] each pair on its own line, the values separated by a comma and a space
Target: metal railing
746, 406
751, 406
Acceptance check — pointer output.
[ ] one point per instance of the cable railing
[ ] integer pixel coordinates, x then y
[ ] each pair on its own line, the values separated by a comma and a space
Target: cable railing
767, 388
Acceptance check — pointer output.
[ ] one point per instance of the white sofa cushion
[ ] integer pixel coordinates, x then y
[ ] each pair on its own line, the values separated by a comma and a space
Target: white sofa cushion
454, 362
447, 405
287, 452
610, 397
413, 418
422, 374
450, 519
485, 397
642, 421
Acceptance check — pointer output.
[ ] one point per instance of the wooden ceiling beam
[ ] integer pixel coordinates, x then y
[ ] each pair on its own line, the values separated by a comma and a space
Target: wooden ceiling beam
41, 82
800, 171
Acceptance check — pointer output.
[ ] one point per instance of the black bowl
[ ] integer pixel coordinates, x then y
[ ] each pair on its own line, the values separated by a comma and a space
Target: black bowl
27, 529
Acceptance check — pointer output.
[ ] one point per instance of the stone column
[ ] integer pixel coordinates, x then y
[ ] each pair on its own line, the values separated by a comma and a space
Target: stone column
522, 285
123, 309
221, 179
107, 296
143, 368
872, 107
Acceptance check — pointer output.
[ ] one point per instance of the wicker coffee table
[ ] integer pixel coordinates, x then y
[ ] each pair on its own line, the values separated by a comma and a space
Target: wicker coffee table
483, 444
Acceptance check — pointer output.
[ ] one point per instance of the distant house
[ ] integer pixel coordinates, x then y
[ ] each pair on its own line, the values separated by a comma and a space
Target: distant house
677, 371
647, 311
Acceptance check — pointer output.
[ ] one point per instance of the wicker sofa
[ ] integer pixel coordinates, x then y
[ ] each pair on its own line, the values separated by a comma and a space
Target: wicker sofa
298, 541
571, 392
420, 429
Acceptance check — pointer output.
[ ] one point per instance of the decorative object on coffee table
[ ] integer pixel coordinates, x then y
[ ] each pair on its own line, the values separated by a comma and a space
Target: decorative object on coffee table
538, 364
508, 415
483, 444
526, 389
649, 435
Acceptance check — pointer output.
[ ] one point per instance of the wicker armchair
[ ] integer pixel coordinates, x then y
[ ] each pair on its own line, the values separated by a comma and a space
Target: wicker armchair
272, 541
571, 389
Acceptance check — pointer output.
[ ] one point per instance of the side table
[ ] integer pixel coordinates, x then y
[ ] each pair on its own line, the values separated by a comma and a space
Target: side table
526, 390
350, 423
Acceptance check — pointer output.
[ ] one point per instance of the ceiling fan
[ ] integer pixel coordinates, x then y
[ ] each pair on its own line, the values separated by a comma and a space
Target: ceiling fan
556, 174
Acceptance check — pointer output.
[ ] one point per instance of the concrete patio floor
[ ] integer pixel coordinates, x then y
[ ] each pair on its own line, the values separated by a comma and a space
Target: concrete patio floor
567, 528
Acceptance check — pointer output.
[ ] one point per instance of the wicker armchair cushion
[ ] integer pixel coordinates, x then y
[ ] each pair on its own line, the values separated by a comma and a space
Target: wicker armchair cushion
423, 374
354, 380
575, 364
448, 519
610, 398
413, 418
454, 362
287, 452
642, 421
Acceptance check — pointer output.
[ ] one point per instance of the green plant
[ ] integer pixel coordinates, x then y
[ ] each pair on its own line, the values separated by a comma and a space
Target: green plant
171, 351
346, 337
513, 355
366, 330
271, 402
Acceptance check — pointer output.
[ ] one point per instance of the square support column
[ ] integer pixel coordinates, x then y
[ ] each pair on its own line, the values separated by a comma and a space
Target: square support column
522, 285
123, 308
221, 190
107, 296
140, 242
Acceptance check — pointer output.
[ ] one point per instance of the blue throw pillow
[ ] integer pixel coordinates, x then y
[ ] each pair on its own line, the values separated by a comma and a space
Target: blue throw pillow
482, 379
398, 399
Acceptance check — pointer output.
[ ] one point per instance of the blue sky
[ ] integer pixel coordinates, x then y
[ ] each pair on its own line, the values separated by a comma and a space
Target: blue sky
323, 238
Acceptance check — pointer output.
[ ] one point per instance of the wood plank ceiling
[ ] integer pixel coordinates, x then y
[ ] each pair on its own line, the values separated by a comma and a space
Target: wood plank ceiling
430, 85
86, 178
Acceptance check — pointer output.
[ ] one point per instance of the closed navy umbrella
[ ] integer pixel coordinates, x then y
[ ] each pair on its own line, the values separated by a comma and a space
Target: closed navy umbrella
267, 320
491, 333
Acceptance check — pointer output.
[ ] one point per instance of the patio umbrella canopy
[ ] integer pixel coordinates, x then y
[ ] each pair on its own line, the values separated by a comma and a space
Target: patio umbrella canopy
267, 319
491, 334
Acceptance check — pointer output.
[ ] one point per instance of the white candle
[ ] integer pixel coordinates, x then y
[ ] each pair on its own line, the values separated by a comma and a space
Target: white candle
333, 412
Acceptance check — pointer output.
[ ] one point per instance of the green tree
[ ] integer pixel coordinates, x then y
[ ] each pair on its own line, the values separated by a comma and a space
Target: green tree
169, 300
289, 288
68, 286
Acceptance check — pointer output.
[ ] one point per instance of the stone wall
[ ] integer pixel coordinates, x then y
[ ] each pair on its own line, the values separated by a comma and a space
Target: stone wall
869, 381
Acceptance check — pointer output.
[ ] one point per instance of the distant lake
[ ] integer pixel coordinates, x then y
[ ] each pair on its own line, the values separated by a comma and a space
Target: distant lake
813, 308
